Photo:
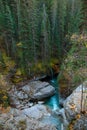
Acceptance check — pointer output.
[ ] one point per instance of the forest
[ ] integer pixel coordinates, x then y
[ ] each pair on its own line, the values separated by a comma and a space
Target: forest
42, 38
39, 31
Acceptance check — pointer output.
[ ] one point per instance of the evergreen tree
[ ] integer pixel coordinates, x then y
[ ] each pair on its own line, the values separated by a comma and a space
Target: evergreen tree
34, 31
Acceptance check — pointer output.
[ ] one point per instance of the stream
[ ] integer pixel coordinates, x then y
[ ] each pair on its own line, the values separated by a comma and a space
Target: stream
53, 103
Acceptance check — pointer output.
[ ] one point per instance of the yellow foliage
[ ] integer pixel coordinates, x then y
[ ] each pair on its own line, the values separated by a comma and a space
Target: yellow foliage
74, 36
3, 82
18, 72
72, 106
86, 44
4, 97
19, 44
39, 66
51, 64
8, 62
17, 80
78, 116
71, 127
4, 102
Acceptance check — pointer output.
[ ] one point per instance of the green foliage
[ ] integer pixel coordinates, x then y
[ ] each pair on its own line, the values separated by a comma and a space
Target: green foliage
4, 100
34, 31
74, 68
75, 15
4, 86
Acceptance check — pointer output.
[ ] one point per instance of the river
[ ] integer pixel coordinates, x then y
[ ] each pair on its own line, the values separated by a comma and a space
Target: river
53, 103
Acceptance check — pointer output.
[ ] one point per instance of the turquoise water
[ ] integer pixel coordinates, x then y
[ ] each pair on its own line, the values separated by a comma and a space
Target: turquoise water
53, 102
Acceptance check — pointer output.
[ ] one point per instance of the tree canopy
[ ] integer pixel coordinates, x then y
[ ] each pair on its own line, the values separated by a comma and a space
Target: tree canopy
33, 31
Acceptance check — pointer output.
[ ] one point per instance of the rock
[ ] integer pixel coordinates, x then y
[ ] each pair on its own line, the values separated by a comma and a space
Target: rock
40, 102
35, 90
21, 96
37, 111
27, 119
38, 125
26, 89
37, 85
61, 102
62, 114
81, 124
72, 104
31, 104
14, 101
44, 93
15, 112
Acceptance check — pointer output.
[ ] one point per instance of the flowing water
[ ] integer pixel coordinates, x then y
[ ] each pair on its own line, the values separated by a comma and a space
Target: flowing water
53, 102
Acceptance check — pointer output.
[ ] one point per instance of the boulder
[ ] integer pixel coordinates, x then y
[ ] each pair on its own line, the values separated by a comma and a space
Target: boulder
21, 96
81, 124
36, 112
26, 89
75, 107
27, 119
44, 93
33, 91
72, 104
37, 85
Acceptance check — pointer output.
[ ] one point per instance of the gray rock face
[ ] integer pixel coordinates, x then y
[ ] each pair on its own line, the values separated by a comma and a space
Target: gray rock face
41, 90
81, 124
27, 119
44, 92
36, 112
74, 104
26, 89
35, 90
